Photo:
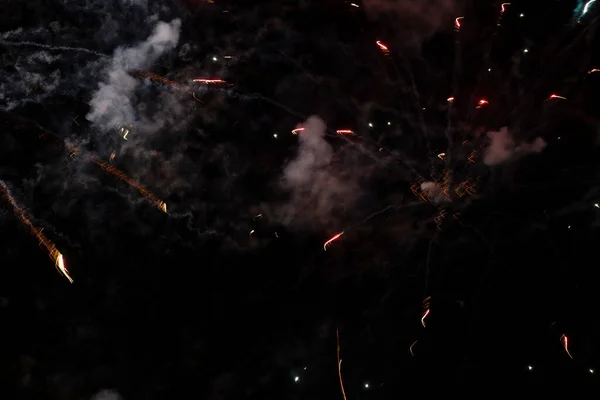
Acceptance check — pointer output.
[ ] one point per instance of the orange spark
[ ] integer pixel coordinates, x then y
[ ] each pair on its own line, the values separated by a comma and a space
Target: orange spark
450, 99
337, 336
208, 81
335, 237
345, 132
121, 175
411, 348
424, 316
53, 252
565, 342
555, 96
441, 156
382, 46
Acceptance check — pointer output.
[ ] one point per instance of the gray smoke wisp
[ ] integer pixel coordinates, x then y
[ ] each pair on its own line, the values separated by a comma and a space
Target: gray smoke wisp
503, 147
434, 191
112, 104
319, 188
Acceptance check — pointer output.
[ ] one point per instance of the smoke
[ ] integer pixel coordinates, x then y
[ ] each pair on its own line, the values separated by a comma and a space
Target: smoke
107, 395
319, 188
112, 104
503, 147
434, 191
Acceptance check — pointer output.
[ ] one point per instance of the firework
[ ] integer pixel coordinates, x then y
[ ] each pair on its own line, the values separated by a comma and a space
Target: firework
53, 252
334, 238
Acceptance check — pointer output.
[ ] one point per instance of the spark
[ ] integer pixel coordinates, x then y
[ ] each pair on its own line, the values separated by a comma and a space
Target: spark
441, 156
53, 252
382, 46
555, 96
565, 342
425, 314
450, 99
335, 237
345, 132
296, 378
366, 385
297, 130
337, 336
529, 367
457, 23
112, 157
208, 81
257, 216
411, 348
121, 175
482, 102
504, 7
354, 5
251, 232
593, 70
587, 6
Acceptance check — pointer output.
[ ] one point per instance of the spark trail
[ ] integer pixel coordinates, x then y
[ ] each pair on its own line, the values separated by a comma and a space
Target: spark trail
53, 252
121, 175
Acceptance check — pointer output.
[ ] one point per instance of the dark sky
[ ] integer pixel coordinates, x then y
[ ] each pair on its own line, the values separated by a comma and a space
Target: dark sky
230, 295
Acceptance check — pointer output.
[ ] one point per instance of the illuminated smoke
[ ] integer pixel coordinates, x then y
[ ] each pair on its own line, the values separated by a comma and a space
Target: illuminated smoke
503, 147
434, 191
318, 186
112, 104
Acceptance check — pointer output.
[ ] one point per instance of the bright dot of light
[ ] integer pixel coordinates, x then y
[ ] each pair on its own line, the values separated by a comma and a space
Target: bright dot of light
296, 378
591, 370
596, 205
305, 368
489, 70
370, 124
525, 51
529, 367
569, 227
366, 385
522, 15
389, 123
423, 108
214, 58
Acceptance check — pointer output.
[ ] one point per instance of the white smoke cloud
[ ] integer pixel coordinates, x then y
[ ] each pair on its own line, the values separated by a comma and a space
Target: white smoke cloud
319, 189
107, 395
503, 147
434, 191
112, 104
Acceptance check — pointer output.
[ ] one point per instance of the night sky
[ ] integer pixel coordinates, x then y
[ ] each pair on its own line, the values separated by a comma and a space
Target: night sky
465, 184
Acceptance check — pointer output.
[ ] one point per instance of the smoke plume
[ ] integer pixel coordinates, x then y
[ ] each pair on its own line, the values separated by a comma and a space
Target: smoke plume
112, 104
318, 187
503, 147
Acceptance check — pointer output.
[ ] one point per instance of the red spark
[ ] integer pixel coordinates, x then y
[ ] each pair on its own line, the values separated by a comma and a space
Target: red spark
504, 7
382, 46
333, 238
593, 70
565, 342
295, 131
450, 99
345, 132
555, 96
424, 316
457, 24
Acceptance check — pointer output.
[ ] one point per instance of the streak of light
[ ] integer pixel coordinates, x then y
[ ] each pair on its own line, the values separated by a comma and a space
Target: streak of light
345, 132
425, 314
251, 232
53, 252
503, 7
411, 348
555, 96
333, 238
337, 336
593, 70
442, 156
450, 99
121, 175
587, 6
75, 119
565, 342
208, 81
382, 46
457, 23
297, 130
482, 102
256, 217
354, 5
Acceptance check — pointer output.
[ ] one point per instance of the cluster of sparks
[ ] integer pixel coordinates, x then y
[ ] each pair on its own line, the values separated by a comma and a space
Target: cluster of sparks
53, 252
